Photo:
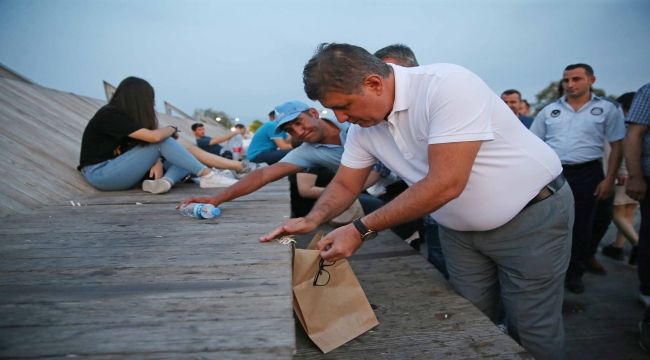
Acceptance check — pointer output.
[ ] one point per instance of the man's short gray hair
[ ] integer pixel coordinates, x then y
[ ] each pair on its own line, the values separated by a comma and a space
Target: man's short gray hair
399, 52
341, 68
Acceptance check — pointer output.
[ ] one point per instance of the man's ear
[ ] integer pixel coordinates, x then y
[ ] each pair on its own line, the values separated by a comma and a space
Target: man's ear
314, 113
374, 83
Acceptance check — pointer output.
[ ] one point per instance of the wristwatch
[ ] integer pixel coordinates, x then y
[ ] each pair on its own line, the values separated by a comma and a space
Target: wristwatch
366, 234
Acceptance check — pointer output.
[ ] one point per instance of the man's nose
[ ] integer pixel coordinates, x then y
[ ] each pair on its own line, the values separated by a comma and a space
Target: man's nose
341, 116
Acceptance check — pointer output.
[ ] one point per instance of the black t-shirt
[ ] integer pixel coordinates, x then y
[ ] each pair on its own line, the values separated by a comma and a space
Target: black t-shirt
106, 136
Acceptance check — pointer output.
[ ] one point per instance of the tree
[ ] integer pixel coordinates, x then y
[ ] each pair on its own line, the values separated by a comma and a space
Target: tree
213, 115
255, 125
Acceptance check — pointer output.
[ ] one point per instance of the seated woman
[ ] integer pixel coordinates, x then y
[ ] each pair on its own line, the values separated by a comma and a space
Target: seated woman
122, 144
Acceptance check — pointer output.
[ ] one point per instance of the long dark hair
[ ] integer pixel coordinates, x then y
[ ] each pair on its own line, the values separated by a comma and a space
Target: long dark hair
135, 97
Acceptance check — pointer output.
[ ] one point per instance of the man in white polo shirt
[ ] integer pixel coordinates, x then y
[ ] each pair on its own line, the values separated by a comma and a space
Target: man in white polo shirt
494, 188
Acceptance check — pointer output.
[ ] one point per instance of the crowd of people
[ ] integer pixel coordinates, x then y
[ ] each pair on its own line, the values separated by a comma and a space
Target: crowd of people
512, 208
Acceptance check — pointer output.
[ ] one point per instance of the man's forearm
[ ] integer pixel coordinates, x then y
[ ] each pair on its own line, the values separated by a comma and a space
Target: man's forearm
418, 200
218, 140
256, 180
333, 201
632, 151
614, 161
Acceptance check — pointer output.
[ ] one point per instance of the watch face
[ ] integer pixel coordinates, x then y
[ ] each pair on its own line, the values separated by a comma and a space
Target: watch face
369, 236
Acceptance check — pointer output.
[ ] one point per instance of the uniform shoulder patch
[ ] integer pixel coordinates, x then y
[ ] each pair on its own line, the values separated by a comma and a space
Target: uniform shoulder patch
555, 113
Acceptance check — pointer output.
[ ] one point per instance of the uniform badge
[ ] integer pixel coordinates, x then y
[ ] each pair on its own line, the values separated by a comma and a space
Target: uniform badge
596, 111
556, 113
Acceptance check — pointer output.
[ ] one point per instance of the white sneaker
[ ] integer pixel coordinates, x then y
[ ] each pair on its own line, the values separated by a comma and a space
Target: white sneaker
159, 186
225, 173
213, 180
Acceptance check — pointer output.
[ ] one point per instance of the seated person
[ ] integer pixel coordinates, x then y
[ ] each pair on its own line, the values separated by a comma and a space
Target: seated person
211, 144
310, 184
268, 146
236, 144
122, 144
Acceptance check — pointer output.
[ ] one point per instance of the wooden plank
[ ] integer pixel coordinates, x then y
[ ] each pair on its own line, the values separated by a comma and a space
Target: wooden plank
154, 337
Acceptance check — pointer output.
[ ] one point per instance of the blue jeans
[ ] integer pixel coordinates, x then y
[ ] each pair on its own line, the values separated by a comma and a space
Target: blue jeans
434, 249
126, 170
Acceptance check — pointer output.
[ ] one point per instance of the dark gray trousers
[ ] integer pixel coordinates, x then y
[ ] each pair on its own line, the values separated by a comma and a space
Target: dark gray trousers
522, 264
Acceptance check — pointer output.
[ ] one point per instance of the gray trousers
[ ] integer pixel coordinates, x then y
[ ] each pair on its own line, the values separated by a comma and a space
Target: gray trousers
522, 264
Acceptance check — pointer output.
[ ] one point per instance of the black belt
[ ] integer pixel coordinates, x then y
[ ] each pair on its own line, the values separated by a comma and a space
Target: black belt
548, 190
582, 165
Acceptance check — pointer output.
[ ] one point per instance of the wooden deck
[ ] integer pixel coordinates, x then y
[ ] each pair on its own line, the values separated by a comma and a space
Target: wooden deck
125, 276
113, 278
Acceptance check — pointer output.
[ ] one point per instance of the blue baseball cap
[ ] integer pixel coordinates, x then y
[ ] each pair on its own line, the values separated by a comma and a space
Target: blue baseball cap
287, 112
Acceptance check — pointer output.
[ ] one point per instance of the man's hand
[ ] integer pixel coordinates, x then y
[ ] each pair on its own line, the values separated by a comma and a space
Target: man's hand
157, 170
604, 190
340, 243
635, 187
200, 200
291, 226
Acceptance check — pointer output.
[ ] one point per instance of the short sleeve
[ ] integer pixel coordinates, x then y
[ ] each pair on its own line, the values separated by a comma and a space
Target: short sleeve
460, 108
355, 155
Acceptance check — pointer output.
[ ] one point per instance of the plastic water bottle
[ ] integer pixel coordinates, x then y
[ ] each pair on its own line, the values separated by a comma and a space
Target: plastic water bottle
200, 211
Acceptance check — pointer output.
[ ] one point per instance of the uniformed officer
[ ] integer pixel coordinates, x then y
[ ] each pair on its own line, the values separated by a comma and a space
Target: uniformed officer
576, 126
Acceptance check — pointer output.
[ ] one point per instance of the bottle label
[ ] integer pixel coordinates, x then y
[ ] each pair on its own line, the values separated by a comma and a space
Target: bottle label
197, 210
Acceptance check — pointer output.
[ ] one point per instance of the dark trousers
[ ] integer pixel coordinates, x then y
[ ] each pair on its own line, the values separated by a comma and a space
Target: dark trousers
583, 180
602, 219
643, 262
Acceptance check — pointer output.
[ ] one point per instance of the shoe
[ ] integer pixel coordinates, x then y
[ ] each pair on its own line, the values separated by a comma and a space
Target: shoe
574, 284
613, 252
593, 266
644, 299
226, 173
634, 255
644, 339
214, 180
249, 167
159, 186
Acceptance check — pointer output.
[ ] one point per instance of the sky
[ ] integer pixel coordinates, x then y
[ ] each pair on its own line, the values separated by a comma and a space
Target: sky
244, 57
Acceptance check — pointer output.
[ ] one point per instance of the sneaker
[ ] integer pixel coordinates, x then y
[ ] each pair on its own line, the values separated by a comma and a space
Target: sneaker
644, 299
159, 186
644, 339
225, 173
213, 180
613, 252
249, 167
634, 255
593, 266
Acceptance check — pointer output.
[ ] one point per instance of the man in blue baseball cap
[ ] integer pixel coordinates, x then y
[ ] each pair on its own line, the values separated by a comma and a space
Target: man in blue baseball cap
322, 146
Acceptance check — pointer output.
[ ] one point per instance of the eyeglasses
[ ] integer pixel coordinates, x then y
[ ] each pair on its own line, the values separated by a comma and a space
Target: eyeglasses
322, 277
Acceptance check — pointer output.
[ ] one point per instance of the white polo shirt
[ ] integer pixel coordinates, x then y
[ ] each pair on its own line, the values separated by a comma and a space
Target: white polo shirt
445, 103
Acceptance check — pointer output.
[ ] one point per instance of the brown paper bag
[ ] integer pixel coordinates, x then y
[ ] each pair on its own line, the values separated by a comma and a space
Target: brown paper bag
335, 310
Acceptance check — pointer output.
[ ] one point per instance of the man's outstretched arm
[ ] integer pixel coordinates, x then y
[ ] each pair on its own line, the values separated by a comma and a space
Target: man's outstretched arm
247, 184
338, 196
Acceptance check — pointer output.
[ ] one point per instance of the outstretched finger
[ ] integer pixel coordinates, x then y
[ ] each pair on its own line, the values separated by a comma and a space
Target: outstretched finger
272, 234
